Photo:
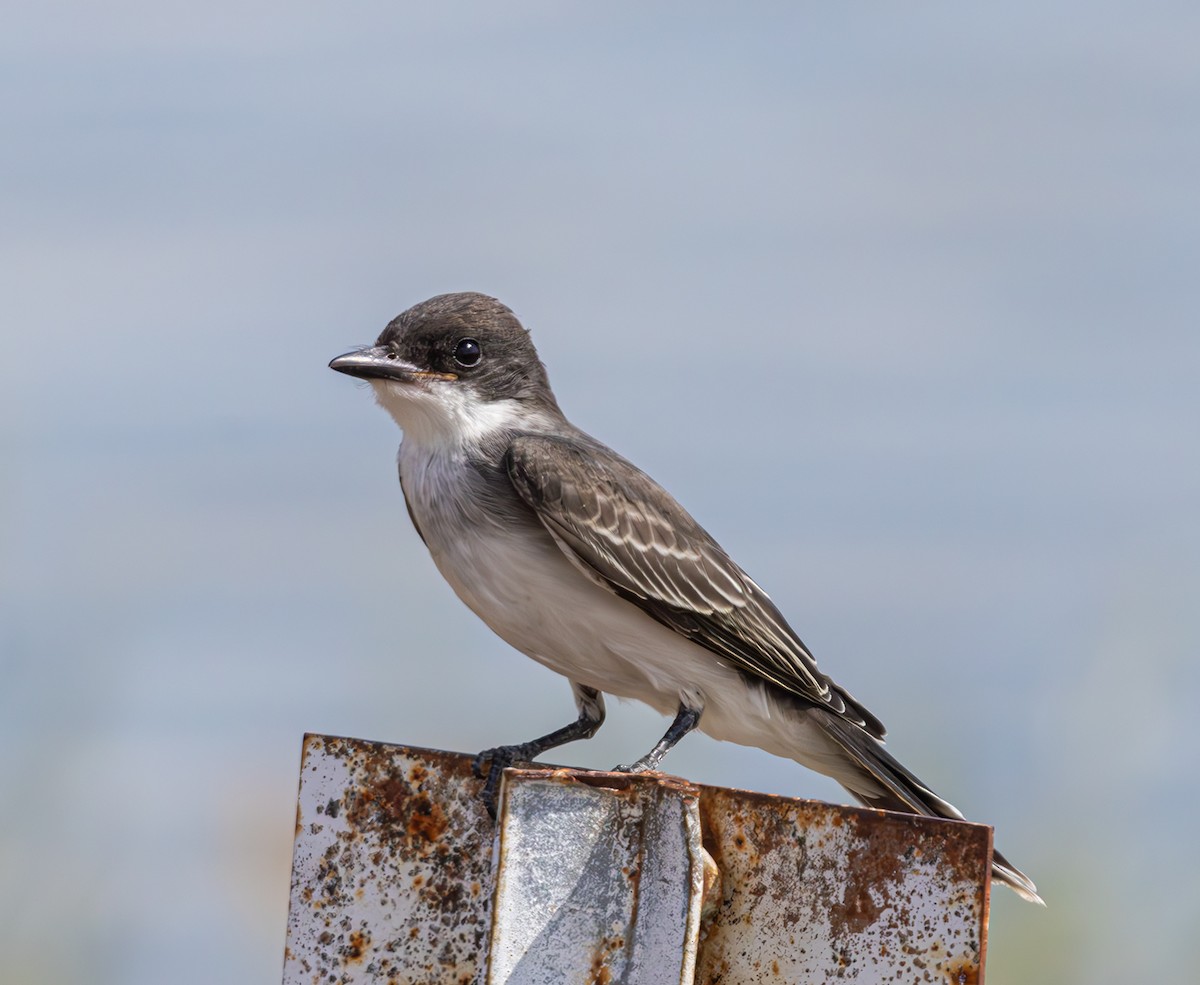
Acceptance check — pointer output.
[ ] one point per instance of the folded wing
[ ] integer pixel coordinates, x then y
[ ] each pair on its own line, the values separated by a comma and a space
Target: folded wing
625, 532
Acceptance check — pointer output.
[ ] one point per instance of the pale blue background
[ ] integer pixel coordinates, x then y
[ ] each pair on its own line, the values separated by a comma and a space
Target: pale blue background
922, 279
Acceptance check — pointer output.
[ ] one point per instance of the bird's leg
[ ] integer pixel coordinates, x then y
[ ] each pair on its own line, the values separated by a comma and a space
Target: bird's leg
685, 721
590, 703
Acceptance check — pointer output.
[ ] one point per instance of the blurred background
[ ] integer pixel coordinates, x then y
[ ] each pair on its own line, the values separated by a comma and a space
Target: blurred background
925, 277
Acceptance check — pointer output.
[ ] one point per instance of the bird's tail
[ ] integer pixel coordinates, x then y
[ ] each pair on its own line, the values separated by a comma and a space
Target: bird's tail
896, 789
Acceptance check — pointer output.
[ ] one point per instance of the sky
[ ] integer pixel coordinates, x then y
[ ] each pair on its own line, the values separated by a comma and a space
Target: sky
899, 302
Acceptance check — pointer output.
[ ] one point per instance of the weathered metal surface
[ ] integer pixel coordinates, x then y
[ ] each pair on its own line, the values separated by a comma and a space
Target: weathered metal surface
811, 892
392, 870
600, 879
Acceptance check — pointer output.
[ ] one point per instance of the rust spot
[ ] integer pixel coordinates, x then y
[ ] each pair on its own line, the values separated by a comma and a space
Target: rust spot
634, 875
619, 783
857, 910
398, 810
353, 952
600, 972
428, 820
963, 974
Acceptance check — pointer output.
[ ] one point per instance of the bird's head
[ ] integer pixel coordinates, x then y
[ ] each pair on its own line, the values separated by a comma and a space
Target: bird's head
453, 369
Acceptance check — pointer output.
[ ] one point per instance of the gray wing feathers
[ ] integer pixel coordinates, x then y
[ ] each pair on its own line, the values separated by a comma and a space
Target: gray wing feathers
624, 531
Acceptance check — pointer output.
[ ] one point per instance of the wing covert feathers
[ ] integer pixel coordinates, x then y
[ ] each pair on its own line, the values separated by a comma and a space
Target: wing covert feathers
631, 536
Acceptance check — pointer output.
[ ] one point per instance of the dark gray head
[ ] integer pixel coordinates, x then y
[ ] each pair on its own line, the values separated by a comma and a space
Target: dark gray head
457, 363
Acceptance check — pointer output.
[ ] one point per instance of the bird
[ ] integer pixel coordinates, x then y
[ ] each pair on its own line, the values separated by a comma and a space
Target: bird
577, 558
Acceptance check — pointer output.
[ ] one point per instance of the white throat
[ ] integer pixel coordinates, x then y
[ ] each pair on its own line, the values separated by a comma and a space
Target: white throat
445, 415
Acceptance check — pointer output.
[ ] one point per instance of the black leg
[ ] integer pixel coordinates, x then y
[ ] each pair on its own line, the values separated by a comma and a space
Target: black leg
591, 716
685, 721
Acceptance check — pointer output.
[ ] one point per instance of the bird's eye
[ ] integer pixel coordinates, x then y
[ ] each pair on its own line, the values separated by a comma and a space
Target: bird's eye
467, 352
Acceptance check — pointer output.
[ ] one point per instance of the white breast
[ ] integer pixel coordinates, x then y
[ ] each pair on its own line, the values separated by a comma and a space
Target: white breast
515, 578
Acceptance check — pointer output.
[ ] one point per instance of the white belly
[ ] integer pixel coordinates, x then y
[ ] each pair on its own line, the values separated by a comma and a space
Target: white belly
527, 591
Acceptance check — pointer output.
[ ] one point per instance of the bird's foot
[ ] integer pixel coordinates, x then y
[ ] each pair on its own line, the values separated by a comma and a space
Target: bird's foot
491, 763
643, 765
687, 719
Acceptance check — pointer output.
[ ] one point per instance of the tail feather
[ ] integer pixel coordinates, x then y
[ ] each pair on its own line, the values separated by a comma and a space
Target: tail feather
897, 789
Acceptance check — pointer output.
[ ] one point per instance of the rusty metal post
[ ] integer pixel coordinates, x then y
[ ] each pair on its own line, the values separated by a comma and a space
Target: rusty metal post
400, 876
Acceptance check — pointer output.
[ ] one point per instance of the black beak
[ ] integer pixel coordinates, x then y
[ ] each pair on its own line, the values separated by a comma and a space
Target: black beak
376, 362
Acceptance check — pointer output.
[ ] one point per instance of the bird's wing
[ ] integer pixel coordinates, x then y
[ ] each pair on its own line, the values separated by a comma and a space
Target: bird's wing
625, 532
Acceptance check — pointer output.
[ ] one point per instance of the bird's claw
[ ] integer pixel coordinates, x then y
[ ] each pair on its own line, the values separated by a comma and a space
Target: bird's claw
641, 766
497, 760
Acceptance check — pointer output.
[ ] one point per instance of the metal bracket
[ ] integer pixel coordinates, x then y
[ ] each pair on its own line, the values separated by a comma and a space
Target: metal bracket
400, 876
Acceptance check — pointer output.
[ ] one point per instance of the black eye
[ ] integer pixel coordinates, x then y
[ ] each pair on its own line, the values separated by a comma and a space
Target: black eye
467, 352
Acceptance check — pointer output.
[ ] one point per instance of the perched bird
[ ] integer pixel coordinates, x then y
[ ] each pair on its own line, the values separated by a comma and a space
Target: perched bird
583, 562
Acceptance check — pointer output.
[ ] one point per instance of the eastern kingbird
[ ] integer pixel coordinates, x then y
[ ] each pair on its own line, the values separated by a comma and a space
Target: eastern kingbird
580, 560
